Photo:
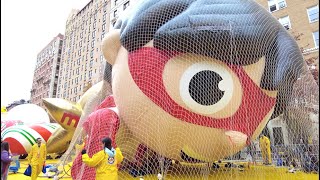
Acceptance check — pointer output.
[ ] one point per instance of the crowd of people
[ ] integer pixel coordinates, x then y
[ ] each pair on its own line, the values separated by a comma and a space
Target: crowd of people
106, 162
36, 159
298, 156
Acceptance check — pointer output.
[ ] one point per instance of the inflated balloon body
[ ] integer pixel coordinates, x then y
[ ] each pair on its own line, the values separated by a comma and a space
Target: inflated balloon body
21, 138
23, 124
8, 123
104, 122
67, 114
3, 109
5, 123
197, 79
28, 114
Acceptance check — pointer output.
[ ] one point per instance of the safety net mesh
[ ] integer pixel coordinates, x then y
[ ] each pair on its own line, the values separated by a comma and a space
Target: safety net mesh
192, 85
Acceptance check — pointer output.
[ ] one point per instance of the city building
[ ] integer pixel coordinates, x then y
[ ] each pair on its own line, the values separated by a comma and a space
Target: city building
118, 8
83, 63
301, 19
45, 78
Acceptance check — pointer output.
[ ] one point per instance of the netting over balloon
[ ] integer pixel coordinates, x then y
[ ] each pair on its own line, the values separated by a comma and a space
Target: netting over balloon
193, 85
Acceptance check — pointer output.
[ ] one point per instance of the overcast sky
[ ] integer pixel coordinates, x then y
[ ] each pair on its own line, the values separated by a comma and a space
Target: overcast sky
27, 26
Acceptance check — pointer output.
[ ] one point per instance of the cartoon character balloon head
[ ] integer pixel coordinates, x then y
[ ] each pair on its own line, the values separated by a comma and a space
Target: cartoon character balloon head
200, 78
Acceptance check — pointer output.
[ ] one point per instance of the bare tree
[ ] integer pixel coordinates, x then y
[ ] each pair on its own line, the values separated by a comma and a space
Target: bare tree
311, 61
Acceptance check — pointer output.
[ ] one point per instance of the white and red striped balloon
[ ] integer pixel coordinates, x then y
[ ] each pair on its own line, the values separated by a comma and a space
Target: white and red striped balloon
8, 123
22, 137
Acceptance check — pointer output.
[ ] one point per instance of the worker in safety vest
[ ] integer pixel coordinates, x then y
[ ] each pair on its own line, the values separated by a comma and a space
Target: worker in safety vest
37, 158
264, 143
105, 162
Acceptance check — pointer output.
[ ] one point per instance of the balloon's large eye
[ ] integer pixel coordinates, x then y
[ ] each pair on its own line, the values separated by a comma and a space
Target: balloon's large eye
206, 87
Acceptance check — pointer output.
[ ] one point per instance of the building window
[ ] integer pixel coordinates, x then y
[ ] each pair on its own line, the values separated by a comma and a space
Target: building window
115, 2
94, 25
275, 5
115, 13
104, 17
105, 7
93, 34
316, 38
92, 43
90, 74
91, 54
125, 5
278, 136
114, 23
285, 21
313, 13
101, 58
103, 27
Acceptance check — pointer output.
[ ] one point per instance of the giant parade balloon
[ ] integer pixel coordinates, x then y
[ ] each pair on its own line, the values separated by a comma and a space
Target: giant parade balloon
21, 138
192, 80
28, 114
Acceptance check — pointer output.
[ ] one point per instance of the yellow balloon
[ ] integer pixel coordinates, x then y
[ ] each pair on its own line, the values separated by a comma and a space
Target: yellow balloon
89, 94
3, 109
67, 114
59, 141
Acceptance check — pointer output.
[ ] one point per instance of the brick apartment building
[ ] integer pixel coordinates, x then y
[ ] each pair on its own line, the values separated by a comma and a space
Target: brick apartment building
301, 19
83, 63
118, 7
45, 76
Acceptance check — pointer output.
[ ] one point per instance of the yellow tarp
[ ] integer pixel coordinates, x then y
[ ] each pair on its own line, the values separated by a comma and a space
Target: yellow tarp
249, 173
